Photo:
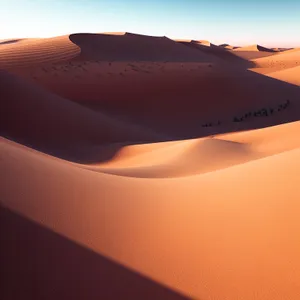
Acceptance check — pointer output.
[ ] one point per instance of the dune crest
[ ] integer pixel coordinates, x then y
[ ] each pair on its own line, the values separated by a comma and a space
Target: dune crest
254, 48
30, 52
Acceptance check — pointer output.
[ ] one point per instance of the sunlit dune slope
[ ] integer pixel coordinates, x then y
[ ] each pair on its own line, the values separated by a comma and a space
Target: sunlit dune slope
39, 118
171, 98
133, 47
291, 75
229, 234
182, 158
30, 52
286, 59
254, 48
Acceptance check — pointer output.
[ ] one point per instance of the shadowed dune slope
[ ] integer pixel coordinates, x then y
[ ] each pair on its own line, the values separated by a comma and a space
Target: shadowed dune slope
31, 251
41, 119
171, 98
133, 47
178, 101
221, 53
203, 237
30, 52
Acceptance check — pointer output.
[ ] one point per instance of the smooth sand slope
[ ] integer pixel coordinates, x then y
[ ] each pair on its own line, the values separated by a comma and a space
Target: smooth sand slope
283, 66
198, 156
29, 52
286, 59
227, 234
291, 75
41, 119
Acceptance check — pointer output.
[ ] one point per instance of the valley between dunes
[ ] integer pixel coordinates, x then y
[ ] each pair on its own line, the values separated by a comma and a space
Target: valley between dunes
139, 167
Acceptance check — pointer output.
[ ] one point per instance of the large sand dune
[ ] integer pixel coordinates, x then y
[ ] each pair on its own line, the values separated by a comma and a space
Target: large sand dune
172, 101
199, 235
133, 47
130, 170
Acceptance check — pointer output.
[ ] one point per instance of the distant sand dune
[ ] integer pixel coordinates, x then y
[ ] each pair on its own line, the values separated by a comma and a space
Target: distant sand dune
28, 52
254, 48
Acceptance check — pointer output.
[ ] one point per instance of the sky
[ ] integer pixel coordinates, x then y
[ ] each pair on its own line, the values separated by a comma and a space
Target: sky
236, 22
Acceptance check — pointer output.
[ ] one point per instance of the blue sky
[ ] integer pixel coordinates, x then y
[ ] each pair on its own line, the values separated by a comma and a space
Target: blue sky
271, 23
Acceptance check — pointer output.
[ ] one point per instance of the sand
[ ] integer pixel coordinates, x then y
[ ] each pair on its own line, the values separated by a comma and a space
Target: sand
139, 167
254, 48
291, 75
29, 52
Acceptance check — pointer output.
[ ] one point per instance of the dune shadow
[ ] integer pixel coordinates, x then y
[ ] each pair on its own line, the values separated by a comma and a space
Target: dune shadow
10, 42
220, 52
37, 263
133, 47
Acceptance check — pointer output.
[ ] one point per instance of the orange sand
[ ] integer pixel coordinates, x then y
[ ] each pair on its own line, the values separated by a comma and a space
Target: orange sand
132, 169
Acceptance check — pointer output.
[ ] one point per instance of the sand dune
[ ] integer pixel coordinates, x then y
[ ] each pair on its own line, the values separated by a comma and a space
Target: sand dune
290, 75
39, 118
254, 48
286, 59
130, 171
170, 98
227, 52
133, 47
28, 52
191, 240
198, 156
227, 46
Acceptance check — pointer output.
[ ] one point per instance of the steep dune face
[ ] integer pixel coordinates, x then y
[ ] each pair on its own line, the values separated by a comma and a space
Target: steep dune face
35, 116
133, 47
29, 52
203, 237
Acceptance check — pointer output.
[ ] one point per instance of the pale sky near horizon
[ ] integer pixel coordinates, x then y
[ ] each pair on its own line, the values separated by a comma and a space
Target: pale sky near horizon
237, 22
